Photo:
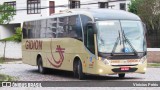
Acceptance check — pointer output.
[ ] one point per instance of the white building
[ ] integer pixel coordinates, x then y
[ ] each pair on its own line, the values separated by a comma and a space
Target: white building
31, 9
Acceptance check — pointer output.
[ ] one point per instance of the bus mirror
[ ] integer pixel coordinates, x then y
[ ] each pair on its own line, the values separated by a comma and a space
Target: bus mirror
92, 26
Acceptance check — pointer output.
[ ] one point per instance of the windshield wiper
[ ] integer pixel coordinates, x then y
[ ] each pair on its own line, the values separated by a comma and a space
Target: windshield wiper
116, 43
126, 39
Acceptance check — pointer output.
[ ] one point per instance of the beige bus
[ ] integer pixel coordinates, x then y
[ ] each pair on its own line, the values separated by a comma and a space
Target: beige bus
86, 41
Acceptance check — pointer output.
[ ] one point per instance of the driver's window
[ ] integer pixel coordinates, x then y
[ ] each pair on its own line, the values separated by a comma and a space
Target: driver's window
89, 37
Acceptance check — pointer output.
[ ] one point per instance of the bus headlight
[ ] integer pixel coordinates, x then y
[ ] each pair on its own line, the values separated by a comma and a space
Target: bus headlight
142, 60
100, 70
145, 69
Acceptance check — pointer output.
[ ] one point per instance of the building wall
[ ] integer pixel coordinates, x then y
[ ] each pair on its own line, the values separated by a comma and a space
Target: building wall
61, 2
153, 55
7, 30
23, 16
114, 3
12, 51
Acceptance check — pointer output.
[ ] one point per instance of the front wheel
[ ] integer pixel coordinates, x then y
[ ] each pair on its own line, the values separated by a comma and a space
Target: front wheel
121, 75
80, 71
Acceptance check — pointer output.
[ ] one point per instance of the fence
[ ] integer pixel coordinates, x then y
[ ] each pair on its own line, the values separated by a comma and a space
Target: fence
153, 55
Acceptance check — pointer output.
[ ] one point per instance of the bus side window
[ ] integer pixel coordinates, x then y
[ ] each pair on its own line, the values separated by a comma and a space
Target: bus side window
90, 39
24, 30
24, 33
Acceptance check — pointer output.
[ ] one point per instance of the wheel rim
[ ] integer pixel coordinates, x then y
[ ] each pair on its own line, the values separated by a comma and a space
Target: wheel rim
78, 70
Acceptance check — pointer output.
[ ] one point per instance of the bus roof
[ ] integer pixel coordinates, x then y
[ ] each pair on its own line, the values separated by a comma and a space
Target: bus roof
96, 14
108, 14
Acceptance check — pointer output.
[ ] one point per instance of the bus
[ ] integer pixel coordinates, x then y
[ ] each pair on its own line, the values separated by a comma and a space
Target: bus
86, 41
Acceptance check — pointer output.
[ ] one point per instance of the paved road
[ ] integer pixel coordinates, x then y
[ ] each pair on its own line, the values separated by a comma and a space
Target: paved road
24, 72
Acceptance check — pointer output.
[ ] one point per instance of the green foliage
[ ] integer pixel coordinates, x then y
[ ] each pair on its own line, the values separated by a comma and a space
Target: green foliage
149, 12
133, 7
156, 65
6, 13
6, 78
16, 37
1, 60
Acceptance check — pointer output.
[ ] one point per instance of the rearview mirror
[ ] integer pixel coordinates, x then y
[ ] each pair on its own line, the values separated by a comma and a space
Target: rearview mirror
92, 26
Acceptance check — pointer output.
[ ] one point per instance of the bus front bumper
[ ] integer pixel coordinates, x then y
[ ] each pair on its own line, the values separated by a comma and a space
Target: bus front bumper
103, 69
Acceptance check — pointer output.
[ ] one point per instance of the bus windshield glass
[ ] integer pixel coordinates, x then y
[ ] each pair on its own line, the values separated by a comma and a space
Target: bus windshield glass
120, 36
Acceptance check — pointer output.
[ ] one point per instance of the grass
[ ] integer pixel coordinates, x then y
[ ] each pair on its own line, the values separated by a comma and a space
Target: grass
5, 78
155, 65
1, 60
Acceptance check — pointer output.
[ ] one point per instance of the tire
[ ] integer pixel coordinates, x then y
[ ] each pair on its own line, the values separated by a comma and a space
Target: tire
75, 71
41, 69
121, 75
81, 75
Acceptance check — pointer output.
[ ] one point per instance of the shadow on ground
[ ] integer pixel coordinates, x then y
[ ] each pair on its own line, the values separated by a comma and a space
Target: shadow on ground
68, 74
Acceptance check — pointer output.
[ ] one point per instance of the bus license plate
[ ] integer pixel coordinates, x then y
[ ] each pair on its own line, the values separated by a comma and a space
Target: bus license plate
124, 68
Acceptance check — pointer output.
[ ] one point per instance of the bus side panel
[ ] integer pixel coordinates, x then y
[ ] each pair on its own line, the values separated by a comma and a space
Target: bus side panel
26, 57
25, 54
63, 52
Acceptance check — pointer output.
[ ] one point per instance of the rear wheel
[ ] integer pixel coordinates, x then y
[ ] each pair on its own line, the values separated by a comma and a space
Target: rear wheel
121, 75
41, 69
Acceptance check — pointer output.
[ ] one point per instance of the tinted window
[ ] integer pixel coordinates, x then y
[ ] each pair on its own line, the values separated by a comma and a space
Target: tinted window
51, 28
43, 28
69, 26
24, 30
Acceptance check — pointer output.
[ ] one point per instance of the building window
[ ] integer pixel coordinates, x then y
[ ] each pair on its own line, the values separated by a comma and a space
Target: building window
33, 7
122, 6
74, 4
11, 4
51, 7
103, 4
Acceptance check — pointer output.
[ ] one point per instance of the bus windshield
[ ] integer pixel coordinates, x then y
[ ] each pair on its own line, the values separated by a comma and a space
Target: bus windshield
120, 36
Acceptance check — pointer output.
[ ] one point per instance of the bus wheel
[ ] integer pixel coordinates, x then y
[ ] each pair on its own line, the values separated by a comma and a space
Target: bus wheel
121, 75
41, 69
75, 71
80, 72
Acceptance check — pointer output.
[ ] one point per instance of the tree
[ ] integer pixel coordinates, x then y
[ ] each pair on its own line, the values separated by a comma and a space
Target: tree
17, 37
133, 7
149, 12
6, 13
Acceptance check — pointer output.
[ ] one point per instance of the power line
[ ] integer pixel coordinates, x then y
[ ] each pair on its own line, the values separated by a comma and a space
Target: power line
45, 7
66, 5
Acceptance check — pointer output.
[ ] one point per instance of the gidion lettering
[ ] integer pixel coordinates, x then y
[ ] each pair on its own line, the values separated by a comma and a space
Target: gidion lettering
33, 45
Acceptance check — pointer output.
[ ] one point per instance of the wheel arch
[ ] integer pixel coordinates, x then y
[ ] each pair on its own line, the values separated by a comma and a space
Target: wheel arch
76, 59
